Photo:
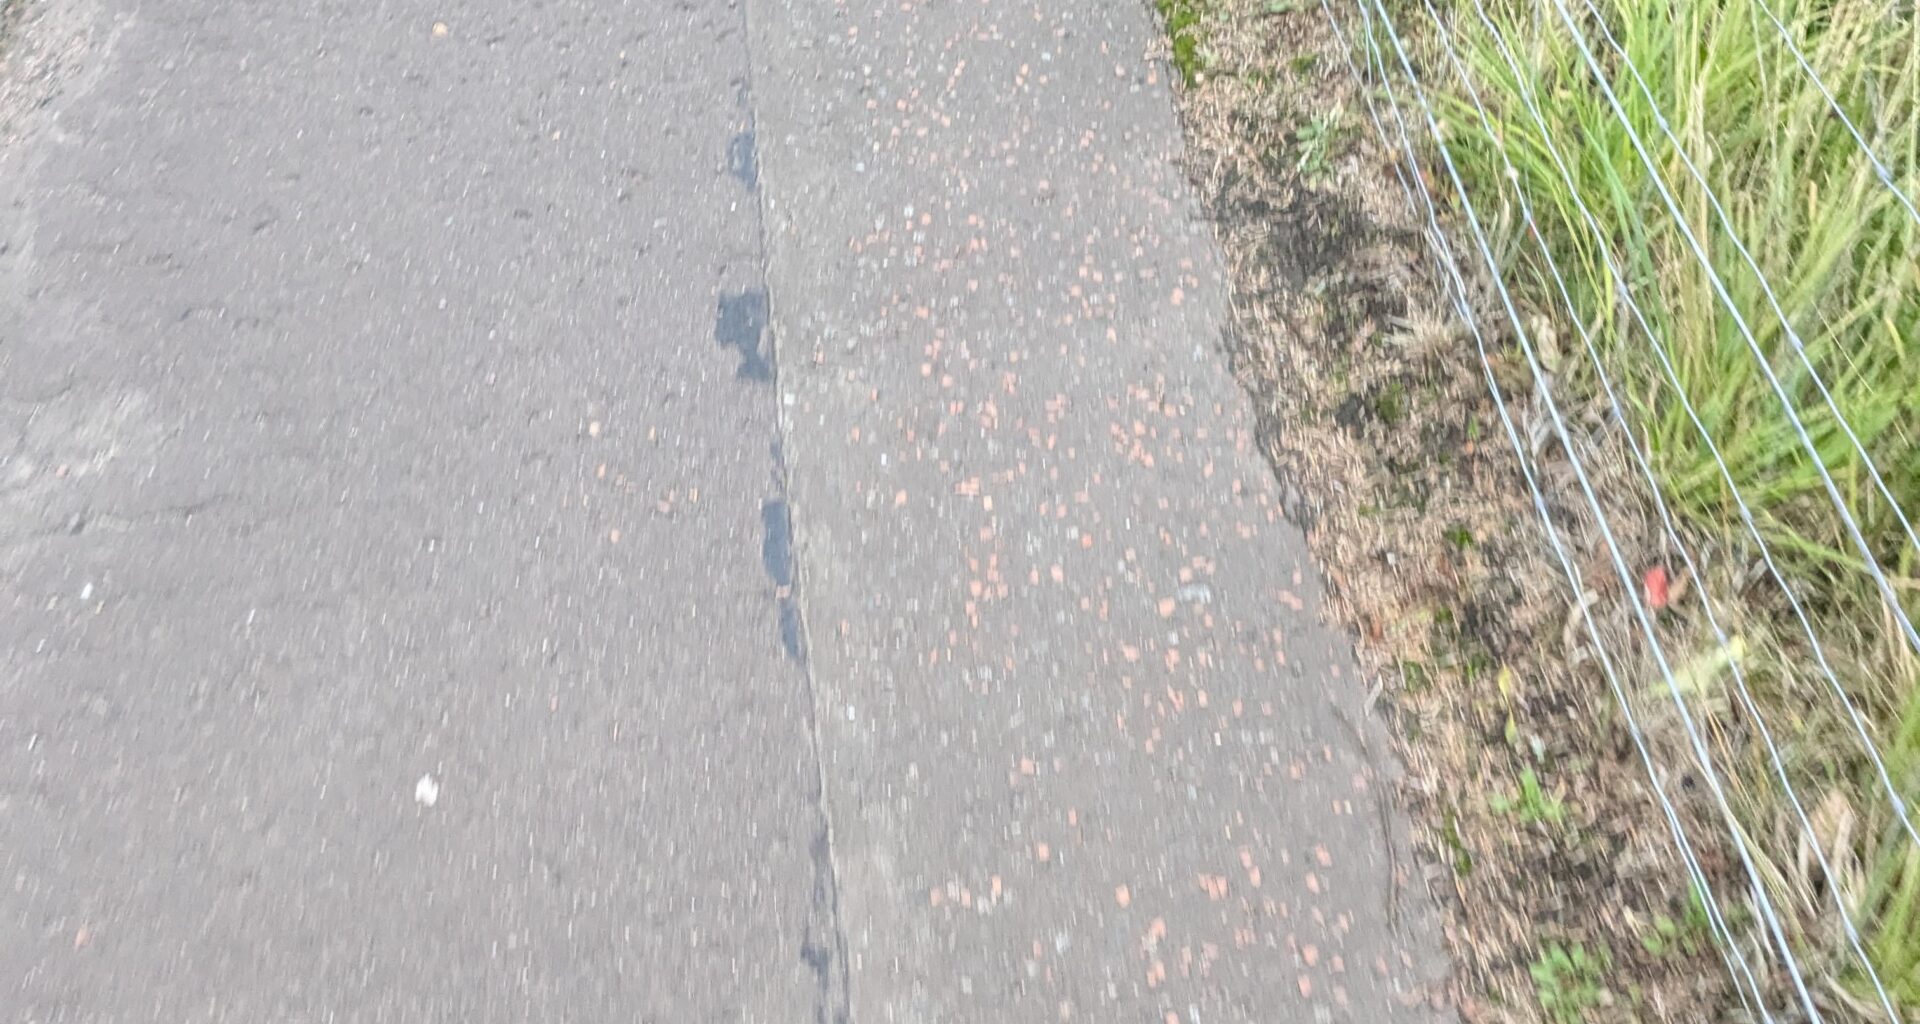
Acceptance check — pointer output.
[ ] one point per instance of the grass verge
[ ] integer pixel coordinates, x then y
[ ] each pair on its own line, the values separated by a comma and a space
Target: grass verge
1827, 292
1533, 820
1536, 811
1836, 245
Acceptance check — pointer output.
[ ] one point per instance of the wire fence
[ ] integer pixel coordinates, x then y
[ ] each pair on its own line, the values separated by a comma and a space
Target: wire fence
1424, 87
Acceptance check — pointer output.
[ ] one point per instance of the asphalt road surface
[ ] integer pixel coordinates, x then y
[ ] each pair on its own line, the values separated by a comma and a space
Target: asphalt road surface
650, 510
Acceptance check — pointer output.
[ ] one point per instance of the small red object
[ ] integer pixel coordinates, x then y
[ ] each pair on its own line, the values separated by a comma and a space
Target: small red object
1655, 585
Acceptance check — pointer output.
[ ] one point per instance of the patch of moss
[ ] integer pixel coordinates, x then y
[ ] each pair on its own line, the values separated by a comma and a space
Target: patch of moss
1390, 405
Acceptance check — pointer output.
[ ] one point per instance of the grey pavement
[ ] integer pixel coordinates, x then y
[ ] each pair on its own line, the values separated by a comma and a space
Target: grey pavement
601, 510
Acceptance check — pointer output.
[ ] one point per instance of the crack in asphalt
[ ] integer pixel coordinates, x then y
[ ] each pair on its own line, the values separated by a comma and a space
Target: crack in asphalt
745, 322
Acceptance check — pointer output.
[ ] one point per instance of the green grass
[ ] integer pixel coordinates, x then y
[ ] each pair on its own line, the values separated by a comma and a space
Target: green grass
1184, 36
1569, 981
1892, 898
1688, 934
1837, 247
1843, 257
1317, 143
1390, 405
1534, 805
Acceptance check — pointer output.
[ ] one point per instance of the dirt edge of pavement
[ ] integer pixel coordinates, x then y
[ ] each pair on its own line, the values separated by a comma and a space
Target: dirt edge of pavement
1562, 895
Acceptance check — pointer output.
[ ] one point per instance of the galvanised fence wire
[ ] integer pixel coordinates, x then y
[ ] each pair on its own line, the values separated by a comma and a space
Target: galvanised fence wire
1522, 226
